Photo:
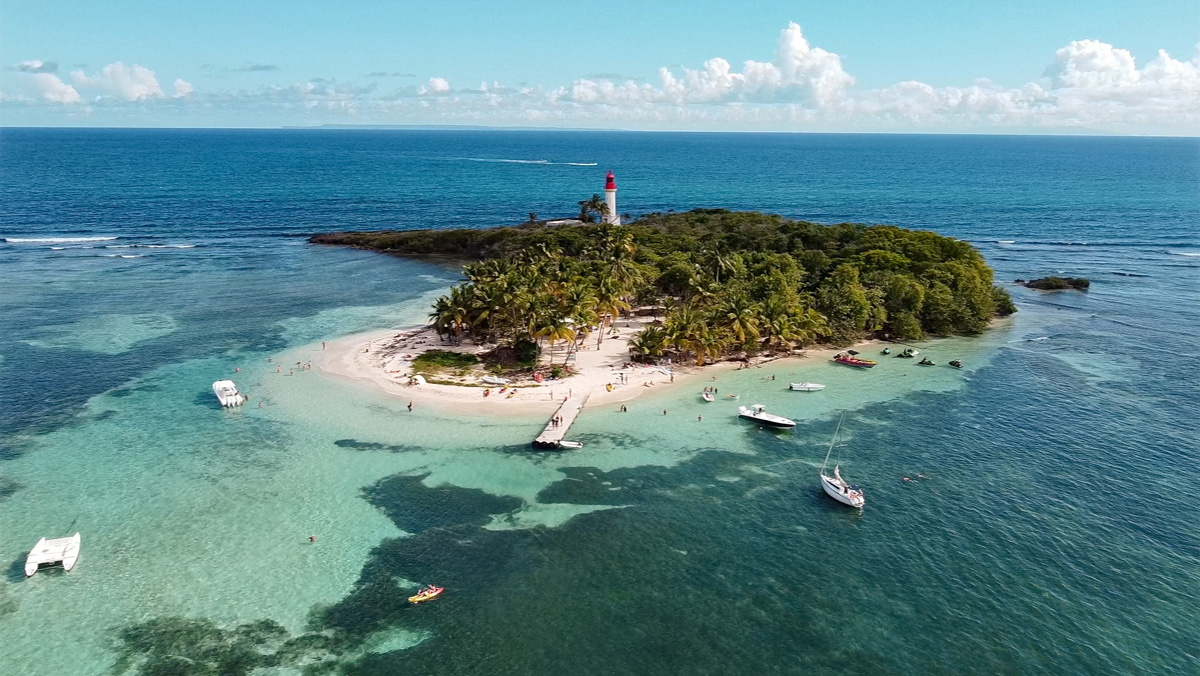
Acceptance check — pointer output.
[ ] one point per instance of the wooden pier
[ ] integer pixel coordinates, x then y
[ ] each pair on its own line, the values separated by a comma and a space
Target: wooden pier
553, 434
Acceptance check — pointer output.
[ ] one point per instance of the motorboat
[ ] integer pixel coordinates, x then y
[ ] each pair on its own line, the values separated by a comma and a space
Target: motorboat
426, 594
925, 361
47, 553
570, 444
851, 360
758, 413
908, 353
227, 393
886, 350
805, 387
708, 396
835, 486
494, 380
956, 363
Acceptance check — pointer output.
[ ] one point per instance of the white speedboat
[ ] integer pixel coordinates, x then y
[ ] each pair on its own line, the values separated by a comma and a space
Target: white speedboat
53, 552
758, 413
835, 486
806, 387
570, 444
227, 393
708, 396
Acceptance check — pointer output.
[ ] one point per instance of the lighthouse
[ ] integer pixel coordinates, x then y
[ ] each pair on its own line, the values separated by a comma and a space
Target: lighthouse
610, 199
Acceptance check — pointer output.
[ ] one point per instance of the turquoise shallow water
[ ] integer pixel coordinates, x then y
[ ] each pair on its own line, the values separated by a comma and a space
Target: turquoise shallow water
1055, 531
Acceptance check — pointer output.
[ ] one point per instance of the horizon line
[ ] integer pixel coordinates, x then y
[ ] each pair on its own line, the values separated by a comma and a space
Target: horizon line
516, 128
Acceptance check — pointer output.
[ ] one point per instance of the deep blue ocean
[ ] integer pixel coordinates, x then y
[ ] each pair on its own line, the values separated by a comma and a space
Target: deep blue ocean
1059, 531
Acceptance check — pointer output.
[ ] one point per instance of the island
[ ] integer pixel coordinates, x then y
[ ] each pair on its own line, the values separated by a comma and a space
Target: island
549, 310
1053, 283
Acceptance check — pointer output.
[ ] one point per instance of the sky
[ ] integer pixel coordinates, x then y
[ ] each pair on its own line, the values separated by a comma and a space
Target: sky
925, 66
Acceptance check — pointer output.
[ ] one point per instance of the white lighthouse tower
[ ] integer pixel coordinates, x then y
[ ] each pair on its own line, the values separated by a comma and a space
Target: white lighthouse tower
610, 199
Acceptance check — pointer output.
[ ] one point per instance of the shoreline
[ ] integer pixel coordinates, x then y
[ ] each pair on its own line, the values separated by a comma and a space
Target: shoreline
380, 360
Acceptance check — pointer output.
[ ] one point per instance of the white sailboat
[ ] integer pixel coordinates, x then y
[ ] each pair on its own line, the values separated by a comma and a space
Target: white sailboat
837, 487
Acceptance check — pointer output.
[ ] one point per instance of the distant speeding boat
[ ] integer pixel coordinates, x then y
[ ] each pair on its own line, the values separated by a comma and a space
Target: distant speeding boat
51, 553
805, 387
227, 393
956, 363
758, 413
835, 486
851, 360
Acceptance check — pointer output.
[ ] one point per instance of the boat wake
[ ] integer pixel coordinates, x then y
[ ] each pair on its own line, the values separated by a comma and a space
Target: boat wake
517, 161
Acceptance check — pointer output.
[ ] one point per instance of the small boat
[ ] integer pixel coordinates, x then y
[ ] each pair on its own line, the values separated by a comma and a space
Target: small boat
956, 363
426, 594
908, 353
805, 387
925, 361
494, 380
708, 396
851, 360
835, 486
886, 350
227, 393
758, 413
570, 444
51, 553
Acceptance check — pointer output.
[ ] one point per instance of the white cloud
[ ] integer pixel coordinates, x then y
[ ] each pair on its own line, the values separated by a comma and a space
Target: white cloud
128, 83
1088, 84
436, 86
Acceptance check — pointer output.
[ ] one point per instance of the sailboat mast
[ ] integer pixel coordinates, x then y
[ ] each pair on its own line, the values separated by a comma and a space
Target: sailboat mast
833, 441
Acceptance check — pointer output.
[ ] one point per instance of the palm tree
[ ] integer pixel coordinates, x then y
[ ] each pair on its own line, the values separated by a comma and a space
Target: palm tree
649, 342
708, 343
598, 205
556, 328
741, 318
609, 304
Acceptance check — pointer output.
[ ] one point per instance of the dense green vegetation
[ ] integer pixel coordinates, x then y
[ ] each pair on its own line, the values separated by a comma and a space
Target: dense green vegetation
724, 282
1053, 283
435, 361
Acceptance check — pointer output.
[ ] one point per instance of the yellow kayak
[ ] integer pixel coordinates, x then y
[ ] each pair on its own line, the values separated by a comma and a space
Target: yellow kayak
427, 594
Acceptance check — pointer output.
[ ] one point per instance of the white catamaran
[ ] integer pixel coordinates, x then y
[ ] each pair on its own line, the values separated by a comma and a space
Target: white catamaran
835, 485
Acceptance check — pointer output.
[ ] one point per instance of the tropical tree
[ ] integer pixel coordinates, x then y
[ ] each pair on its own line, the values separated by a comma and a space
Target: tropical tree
555, 329
650, 342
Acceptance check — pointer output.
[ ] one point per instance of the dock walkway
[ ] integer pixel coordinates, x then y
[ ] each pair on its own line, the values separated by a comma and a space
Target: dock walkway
553, 434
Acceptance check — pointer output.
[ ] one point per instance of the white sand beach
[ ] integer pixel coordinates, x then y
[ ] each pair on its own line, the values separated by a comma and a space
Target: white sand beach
382, 360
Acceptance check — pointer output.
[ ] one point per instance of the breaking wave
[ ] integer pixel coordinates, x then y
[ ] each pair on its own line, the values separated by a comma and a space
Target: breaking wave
54, 240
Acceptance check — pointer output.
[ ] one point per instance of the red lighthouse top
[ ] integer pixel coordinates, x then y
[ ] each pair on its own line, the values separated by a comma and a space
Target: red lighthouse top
610, 183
